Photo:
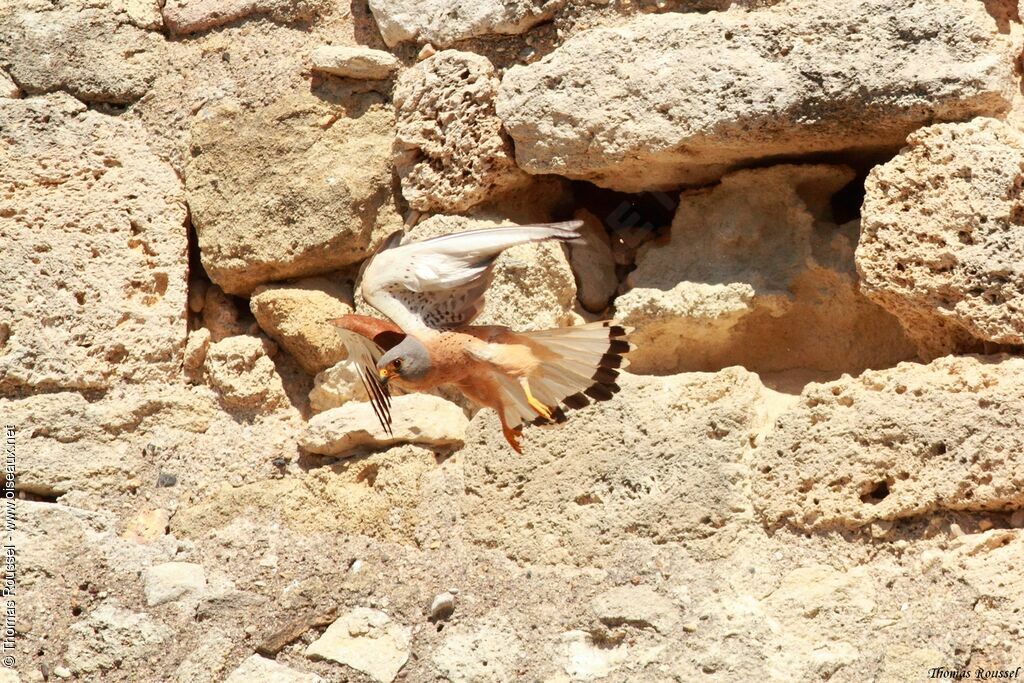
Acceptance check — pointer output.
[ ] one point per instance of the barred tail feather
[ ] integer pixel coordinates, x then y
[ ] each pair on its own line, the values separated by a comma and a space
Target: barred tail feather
581, 364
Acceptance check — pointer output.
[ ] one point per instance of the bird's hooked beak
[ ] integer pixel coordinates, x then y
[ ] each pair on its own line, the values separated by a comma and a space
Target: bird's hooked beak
385, 375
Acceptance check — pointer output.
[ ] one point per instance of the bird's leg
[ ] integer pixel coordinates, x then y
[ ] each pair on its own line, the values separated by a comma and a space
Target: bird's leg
512, 435
541, 409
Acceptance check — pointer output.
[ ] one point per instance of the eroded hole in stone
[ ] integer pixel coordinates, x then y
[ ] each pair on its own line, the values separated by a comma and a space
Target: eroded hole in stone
878, 493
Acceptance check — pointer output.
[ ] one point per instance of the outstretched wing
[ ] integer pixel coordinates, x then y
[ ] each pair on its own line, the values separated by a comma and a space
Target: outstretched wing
439, 283
366, 339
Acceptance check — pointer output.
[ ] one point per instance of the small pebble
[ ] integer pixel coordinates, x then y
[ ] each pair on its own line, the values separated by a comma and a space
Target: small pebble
166, 480
985, 525
426, 51
442, 607
61, 672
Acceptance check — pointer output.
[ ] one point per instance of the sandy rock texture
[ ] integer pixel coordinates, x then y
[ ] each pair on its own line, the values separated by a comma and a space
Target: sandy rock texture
94, 228
190, 16
366, 641
419, 418
310, 190
240, 370
808, 211
630, 484
873, 449
8, 88
257, 669
91, 52
336, 385
450, 150
752, 265
297, 317
679, 98
444, 23
943, 236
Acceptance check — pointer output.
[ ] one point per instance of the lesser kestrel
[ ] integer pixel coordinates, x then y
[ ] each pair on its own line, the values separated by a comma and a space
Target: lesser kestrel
431, 291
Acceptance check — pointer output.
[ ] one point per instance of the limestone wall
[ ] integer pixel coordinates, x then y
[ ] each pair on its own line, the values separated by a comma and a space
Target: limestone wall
810, 211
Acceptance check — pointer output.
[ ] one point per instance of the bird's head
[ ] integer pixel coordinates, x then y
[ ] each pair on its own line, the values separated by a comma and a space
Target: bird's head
408, 361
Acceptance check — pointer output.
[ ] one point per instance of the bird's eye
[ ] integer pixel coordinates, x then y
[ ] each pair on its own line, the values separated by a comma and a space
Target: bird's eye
397, 363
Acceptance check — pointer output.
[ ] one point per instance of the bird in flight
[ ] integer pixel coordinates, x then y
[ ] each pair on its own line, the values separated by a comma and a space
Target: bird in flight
431, 290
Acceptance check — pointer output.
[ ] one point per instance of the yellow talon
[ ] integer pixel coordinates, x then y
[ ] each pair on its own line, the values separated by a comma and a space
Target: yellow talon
541, 409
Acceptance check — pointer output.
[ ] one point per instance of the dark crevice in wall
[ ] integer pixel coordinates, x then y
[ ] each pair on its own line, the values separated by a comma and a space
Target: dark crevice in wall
197, 277
846, 203
39, 494
650, 211
106, 108
629, 220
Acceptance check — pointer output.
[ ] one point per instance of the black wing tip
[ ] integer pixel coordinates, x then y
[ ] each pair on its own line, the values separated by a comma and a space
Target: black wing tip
607, 371
558, 416
602, 392
380, 399
610, 360
596, 392
576, 401
618, 347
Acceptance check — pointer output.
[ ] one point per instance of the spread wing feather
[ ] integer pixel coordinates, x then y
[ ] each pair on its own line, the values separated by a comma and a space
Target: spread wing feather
440, 282
364, 352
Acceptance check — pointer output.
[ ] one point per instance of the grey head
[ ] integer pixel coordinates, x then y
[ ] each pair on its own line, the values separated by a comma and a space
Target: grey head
408, 360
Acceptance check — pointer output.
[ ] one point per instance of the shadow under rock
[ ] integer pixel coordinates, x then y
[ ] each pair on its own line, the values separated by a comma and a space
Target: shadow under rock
353, 97
342, 463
